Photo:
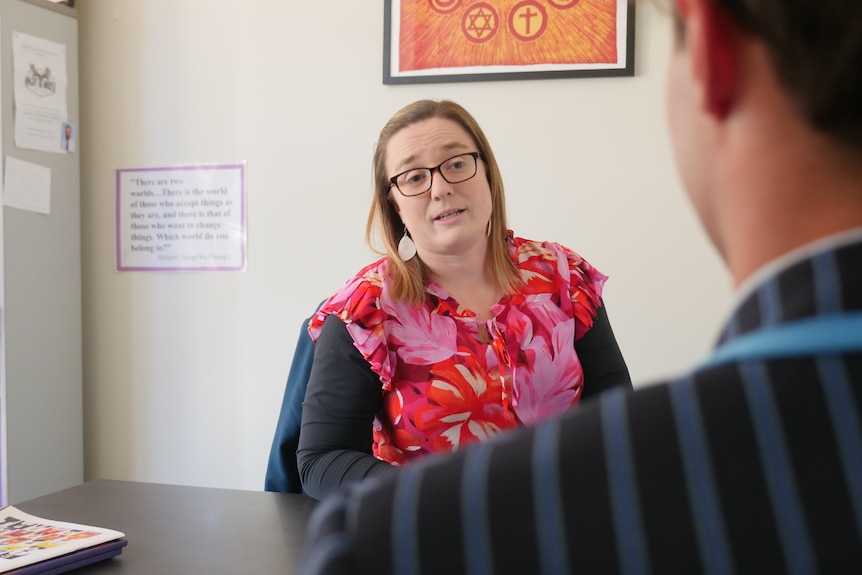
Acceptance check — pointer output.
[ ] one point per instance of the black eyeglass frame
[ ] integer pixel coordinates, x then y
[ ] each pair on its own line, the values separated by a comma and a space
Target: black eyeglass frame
475, 155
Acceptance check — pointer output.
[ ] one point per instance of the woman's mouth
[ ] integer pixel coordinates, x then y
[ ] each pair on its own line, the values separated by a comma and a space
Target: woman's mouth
448, 215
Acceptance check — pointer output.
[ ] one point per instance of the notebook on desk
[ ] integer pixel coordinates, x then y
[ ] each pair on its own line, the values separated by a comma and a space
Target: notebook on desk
73, 560
31, 545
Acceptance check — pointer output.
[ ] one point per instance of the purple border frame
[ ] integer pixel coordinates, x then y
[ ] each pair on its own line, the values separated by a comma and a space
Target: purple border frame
242, 265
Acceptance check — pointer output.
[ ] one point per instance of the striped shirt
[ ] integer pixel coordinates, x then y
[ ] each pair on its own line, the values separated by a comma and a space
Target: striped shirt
748, 467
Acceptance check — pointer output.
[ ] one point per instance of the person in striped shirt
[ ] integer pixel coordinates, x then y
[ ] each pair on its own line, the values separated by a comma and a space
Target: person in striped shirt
751, 463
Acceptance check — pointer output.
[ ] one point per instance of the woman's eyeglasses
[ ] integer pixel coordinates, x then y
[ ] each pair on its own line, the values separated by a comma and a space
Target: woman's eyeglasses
417, 181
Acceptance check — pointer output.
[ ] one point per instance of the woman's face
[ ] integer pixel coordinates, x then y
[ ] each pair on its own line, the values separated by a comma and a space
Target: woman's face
449, 219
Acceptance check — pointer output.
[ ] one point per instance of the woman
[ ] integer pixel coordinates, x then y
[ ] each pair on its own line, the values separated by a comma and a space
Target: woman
462, 330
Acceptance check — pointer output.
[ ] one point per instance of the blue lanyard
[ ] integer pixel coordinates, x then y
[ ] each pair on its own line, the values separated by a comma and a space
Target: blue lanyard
836, 333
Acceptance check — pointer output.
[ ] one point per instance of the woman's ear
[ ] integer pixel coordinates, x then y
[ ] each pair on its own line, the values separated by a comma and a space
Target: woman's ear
712, 39
392, 202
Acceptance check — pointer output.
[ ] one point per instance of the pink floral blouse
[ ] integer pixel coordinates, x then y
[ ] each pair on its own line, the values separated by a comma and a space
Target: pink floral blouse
446, 380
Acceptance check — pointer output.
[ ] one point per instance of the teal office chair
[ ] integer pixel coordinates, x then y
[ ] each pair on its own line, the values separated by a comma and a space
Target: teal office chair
282, 473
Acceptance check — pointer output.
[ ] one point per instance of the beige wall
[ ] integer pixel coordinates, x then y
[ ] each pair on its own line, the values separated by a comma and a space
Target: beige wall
184, 372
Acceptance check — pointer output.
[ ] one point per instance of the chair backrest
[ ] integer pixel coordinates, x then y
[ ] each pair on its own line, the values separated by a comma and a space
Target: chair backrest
282, 473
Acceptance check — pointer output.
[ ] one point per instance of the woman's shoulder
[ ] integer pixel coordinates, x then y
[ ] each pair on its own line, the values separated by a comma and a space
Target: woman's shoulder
357, 301
546, 254
546, 264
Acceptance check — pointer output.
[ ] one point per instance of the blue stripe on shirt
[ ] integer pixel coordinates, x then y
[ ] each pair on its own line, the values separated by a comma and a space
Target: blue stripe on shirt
778, 471
550, 522
405, 530
474, 511
625, 504
770, 303
827, 283
846, 426
700, 480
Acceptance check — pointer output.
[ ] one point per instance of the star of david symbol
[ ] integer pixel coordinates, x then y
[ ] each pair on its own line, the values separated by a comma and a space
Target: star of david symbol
480, 22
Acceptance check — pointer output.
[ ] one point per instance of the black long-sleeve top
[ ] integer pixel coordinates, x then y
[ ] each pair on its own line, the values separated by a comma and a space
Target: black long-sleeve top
344, 395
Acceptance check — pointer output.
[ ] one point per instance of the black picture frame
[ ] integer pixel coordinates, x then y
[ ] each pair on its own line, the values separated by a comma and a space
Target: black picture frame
625, 39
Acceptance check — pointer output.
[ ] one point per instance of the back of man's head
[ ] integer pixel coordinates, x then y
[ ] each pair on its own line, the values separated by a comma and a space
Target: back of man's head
765, 105
816, 50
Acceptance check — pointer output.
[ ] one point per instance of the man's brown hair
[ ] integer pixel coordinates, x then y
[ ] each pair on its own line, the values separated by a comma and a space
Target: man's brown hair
816, 50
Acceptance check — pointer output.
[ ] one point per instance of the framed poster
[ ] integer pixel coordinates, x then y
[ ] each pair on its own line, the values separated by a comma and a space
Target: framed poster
428, 41
181, 218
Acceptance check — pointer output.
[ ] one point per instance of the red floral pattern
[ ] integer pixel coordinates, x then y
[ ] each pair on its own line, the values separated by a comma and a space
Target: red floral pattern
442, 386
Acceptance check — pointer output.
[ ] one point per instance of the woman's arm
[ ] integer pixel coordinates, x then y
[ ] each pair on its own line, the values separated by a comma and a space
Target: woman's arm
601, 360
342, 398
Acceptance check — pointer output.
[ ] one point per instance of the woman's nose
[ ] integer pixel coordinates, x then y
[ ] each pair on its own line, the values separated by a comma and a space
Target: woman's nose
439, 185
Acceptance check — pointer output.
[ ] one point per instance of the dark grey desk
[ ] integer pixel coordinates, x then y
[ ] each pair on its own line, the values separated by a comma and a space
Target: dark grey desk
174, 530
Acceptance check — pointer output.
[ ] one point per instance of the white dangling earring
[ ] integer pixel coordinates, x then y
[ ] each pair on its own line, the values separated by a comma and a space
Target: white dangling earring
489, 228
406, 247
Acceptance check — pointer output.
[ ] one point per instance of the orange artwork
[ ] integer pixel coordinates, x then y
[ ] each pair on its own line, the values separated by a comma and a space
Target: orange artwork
459, 36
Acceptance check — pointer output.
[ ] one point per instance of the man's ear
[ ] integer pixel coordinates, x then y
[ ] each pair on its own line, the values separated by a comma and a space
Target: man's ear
712, 40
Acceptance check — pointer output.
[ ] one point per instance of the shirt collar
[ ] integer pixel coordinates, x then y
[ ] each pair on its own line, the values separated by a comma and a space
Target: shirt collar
777, 265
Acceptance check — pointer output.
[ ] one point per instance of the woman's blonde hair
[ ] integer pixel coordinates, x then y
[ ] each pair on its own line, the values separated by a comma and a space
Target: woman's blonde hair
384, 223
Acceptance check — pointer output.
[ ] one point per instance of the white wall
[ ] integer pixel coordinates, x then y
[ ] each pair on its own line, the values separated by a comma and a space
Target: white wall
184, 373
